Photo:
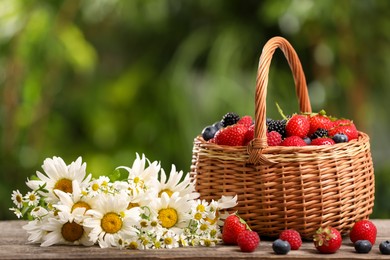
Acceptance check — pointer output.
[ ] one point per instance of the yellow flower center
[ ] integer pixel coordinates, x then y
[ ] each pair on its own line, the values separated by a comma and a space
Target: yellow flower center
32, 197
19, 199
64, 185
213, 233
81, 204
167, 191
111, 223
198, 216
200, 208
71, 231
207, 242
203, 227
132, 205
136, 180
168, 241
157, 244
153, 223
143, 223
168, 217
95, 187
133, 245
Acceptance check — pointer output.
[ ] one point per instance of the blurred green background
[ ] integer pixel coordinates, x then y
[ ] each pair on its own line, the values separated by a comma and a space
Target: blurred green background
106, 79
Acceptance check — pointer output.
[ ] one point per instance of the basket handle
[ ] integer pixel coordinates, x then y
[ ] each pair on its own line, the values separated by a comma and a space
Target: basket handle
260, 140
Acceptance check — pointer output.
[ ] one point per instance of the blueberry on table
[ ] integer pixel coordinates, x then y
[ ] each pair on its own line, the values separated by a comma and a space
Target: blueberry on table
363, 246
384, 247
281, 247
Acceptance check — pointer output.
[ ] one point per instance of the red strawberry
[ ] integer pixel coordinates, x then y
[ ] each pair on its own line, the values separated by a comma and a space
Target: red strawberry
293, 141
292, 237
363, 230
231, 135
232, 227
248, 240
322, 141
327, 240
246, 120
249, 135
274, 138
319, 121
348, 129
298, 125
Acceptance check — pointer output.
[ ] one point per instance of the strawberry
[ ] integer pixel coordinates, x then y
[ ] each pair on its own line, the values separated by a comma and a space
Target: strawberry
292, 237
274, 138
327, 240
363, 230
231, 135
298, 125
246, 120
322, 141
248, 240
348, 129
249, 135
293, 141
232, 227
319, 121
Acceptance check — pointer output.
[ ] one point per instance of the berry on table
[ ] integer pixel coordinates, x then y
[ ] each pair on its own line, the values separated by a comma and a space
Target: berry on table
363, 230
363, 246
281, 247
230, 118
327, 240
384, 247
248, 240
232, 227
292, 237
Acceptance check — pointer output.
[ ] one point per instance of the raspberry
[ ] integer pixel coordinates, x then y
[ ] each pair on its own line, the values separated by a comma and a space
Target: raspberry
245, 120
249, 135
292, 237
248, 240
274, 138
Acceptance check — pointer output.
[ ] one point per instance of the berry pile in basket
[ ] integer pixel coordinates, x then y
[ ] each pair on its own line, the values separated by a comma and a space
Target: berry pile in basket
295, 130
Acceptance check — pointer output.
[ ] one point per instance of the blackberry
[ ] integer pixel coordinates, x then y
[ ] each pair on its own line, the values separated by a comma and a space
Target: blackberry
363, 246
321, 132
277, 125
230, 118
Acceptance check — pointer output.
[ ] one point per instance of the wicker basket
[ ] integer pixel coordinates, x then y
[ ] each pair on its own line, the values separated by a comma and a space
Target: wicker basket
279, 187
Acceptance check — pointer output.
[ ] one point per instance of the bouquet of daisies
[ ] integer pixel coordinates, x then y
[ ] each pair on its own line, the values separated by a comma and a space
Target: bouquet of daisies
138, 207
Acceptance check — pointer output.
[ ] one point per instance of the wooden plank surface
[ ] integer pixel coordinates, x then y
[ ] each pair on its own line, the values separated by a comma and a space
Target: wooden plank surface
13, 245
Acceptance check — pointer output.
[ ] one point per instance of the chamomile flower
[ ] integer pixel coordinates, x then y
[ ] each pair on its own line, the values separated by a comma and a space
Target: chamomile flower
17, 198
35, 228
59, 176
32, 198
177, 182
17, 212
63, 229
141, 176
170, 240
39, 212
110, 219
172, 212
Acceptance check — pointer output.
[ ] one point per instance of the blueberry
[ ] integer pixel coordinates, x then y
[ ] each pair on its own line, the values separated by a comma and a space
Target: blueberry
363, 246
340, 138
307, 140
384, 247
281, 247
218, 125
208, 132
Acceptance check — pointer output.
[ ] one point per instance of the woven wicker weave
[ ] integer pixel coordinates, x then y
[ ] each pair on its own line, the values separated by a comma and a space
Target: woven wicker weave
279, 187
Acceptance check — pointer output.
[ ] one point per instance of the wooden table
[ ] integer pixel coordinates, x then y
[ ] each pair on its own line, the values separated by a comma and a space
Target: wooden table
13, 245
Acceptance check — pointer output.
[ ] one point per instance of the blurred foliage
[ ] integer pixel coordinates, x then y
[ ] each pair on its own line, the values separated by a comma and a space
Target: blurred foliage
106, 79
